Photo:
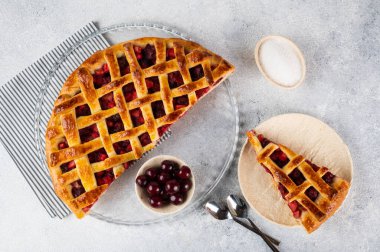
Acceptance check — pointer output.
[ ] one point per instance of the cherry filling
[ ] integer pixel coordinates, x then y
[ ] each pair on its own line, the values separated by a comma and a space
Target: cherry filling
264, 142
296, 209
180, 102
63, 144
175, 79
196, 72
279, 158
315, 168
147, 56
328, 178
297, 177
68, 166
101, 76
107, 101
77, 188
312, 193
202, 92
282, 190
97, 156
137, 117
105, 177
114, 124
123, 66
170, 54
145, 139
89, 133
158, 109
82, 110
163, 129
129, 92
153, 84
87, 208
122, 147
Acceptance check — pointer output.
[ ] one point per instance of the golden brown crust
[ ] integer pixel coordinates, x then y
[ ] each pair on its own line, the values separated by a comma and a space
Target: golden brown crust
331, 196
79, 90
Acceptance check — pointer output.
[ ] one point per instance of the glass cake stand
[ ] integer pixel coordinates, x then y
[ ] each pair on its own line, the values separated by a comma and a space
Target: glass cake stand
205, 138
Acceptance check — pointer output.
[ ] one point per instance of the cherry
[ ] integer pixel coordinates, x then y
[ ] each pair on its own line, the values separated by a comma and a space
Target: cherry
168, 165
186, 185
184, 172
151, 173
156, 201
163, 177
177, 198
312, 193
142, 180
153, 188
328, 177
172, 186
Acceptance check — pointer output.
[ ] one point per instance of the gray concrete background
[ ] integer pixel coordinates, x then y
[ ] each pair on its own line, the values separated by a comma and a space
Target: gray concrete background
340, 40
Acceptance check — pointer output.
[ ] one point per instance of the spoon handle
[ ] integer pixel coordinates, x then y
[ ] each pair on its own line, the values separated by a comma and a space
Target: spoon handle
273, 240
258, 232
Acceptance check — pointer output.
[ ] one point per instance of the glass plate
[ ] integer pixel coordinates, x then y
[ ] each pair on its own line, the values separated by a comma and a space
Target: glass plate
205, 138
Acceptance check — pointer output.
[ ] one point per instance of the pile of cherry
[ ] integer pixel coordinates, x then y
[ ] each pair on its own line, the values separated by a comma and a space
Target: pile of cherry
166, 184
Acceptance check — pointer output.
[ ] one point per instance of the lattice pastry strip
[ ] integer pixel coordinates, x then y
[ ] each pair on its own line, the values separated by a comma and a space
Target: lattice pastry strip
313, 193
115, 106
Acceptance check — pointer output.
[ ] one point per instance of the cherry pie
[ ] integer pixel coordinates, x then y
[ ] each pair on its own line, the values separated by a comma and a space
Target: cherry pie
116, 105
313, 193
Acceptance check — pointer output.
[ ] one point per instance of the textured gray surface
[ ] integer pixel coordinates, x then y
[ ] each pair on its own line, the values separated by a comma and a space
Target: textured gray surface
341, 46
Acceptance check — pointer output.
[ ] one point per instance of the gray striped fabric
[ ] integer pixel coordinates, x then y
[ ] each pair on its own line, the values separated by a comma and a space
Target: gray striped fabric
17, 120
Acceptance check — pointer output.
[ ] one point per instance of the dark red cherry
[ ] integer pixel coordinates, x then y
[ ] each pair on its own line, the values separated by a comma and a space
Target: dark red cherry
186, 185
172, 186
151, 173
177, 198
156, 201
184, 172
153, 188
163, 177
142, 180
168, 165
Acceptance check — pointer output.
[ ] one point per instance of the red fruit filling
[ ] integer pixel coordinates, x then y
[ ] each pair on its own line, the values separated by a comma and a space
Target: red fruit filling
126, 165
158, 109
89, 133
77, 188
147, 56
129, 92
163, 129
107, 101
315, 168
101, 76
196, 72
145, 139
153, 84
170, 54
114, 124
328, 177
264, 142
123, 66
97, 156
312, 193
180, 102
137, 117
87, 208
122, 147
202, 92
63, 144
105, 177
279, 158
282, 190
297, 176
82, 110
175, 79
68, 166
294, 206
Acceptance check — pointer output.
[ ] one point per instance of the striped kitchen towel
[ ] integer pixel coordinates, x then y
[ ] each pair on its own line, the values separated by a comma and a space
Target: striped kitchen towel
23, 92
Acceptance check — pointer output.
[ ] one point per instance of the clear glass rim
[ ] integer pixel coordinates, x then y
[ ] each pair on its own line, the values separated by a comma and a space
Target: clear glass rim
47, 81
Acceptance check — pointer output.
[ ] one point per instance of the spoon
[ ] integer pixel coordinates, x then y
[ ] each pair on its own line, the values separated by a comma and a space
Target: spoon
238, 208
220, 213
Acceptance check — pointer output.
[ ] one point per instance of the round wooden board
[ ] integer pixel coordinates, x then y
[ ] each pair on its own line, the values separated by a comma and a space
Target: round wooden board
306, 136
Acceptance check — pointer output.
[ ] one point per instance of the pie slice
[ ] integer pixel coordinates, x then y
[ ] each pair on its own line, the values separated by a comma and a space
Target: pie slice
312, 193
116, 105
